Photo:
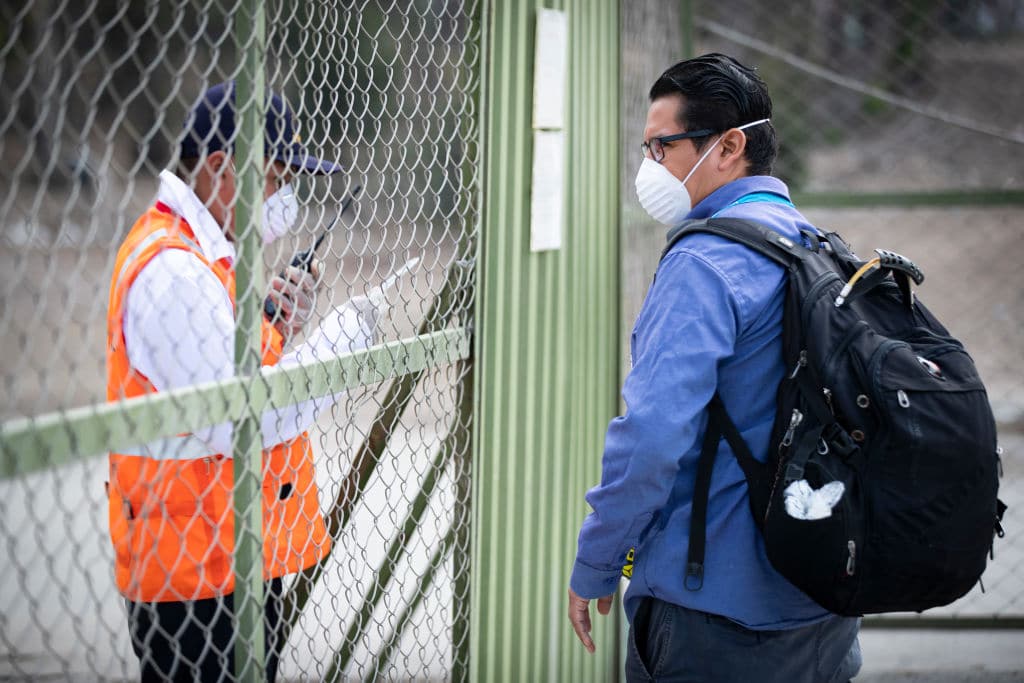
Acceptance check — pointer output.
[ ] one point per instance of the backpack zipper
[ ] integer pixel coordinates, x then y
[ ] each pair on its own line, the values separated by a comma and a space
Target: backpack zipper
828, 367
813, 293
794, 422
874, 368
800, 363
851, 544
828, 400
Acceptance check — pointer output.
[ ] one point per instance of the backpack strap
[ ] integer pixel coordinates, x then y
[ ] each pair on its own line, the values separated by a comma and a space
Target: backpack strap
784, 252
694, 579
764, 241
719, 425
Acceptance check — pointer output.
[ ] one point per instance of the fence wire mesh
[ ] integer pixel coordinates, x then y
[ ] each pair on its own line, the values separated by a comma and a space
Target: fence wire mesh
367, 525
876, 96
883, 99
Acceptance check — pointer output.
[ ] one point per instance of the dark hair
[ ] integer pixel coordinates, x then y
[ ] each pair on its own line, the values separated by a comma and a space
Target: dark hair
720, 93
186, 168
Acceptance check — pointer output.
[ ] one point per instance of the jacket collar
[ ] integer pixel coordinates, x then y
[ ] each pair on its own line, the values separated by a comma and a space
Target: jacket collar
180, 199
730, 192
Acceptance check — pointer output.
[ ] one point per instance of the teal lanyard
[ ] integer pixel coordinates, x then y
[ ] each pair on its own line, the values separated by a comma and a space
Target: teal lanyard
769, 197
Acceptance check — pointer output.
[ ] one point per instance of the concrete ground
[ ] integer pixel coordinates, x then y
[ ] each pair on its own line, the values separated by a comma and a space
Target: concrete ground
940, 656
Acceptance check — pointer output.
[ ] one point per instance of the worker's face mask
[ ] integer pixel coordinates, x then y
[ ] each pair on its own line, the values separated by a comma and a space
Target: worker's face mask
665, 197
280, 211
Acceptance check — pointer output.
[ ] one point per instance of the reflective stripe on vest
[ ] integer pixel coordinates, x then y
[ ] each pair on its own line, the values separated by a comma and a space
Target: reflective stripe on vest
137, 252
146, 243
185, 447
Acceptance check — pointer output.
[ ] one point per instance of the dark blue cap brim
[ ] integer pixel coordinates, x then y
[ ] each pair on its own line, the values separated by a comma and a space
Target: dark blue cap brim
299, 158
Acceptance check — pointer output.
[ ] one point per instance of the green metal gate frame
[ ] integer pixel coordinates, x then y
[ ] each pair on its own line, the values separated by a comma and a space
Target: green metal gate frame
547, 345
48, 441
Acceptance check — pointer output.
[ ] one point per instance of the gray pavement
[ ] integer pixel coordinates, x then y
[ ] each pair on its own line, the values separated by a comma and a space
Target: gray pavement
940, 656
942, 677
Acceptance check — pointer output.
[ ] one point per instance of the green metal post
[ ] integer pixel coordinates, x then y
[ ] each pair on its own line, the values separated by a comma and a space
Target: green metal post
462, 529
250, 40
546, 352
686, 26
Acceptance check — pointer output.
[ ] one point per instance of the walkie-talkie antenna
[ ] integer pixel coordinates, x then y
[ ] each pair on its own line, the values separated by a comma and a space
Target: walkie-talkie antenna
304, 259
344, 207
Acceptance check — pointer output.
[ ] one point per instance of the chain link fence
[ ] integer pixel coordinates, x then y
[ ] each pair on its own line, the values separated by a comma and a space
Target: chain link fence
877, 97
899, 128
93, 102
878, 106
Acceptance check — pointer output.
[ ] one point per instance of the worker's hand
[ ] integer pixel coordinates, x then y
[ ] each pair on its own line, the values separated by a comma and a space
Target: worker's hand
579, 616
294, 294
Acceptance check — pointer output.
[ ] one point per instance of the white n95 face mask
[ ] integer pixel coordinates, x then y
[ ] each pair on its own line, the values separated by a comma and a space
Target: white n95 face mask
665, 197
280, 212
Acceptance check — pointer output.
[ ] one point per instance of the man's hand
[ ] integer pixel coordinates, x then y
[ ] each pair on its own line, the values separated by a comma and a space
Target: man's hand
294, 294
579, 615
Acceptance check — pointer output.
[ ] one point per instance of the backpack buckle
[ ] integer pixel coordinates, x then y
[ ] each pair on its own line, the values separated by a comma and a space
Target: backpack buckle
839, 440
794, 472
694, 570
1000, 509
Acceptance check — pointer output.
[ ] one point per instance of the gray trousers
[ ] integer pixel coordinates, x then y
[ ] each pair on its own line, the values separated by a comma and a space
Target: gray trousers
673, 644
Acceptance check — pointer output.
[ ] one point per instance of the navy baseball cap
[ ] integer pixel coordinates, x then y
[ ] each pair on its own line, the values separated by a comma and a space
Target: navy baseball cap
210, 127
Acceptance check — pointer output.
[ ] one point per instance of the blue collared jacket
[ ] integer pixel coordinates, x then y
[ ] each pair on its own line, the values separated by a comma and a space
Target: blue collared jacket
712, 320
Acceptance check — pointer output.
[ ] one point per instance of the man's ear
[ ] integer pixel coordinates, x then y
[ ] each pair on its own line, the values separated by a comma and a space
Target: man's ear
217, 162
733, 150
221, 180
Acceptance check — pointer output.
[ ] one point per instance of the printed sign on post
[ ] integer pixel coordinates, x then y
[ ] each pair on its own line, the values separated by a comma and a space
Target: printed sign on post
546, 213
548, 185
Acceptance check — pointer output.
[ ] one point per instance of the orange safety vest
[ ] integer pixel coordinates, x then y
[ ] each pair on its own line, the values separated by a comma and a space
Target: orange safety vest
171, 520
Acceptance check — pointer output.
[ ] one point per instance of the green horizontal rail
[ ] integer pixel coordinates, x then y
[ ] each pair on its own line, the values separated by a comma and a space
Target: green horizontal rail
951, 622
909, 199
36, 443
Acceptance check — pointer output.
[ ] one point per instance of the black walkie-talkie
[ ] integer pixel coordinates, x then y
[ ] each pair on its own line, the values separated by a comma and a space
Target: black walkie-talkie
304, 259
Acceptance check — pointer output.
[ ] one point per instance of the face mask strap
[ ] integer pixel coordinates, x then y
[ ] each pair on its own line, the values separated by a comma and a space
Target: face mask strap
752, 124
715, 144
701, 160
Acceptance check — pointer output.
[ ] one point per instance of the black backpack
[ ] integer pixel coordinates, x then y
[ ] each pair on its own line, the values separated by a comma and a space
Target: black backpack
881, 399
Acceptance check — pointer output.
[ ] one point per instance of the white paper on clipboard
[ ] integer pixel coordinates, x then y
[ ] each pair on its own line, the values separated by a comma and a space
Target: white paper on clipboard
378, 295
347, 328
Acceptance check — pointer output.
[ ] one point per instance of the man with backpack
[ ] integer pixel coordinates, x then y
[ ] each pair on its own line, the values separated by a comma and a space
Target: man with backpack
711, 326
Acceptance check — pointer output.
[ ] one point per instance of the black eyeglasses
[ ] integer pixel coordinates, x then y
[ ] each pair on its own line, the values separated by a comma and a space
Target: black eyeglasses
655, 147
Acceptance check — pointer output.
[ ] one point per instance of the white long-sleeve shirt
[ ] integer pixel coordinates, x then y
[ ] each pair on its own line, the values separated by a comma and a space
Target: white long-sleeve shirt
179, 328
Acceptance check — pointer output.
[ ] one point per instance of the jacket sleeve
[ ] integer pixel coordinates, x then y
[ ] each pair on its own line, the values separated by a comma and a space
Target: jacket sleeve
689, 322
179, 331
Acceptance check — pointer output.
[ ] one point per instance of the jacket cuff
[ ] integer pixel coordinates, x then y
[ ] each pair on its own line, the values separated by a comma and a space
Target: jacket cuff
591, 584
